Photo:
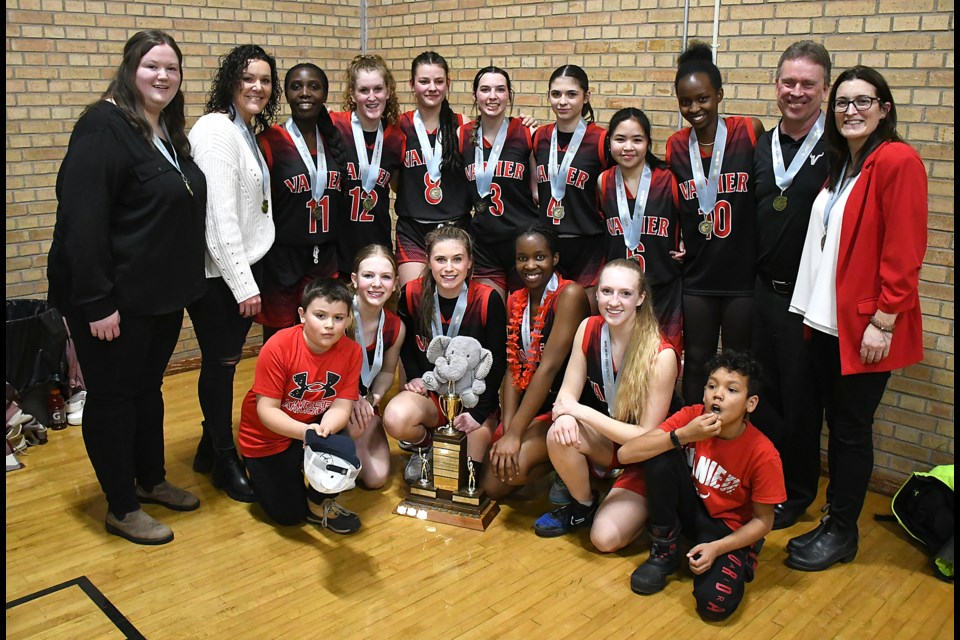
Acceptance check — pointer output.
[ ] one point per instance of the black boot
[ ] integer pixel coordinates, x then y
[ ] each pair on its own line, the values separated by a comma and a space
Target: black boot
203, 458
830, 546
229, 475
651, 576
803, 540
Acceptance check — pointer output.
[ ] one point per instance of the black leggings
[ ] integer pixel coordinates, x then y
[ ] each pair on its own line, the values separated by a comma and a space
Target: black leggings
720, 590
704, 319
280, 487
221, 332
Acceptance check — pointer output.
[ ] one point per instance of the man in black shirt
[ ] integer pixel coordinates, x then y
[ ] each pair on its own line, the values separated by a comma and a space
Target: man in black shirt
790, 167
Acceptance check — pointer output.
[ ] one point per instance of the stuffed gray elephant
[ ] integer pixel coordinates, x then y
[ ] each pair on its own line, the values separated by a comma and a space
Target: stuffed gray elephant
462, 361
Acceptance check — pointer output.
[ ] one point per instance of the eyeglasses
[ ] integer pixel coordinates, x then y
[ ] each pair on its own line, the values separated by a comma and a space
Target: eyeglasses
860, 103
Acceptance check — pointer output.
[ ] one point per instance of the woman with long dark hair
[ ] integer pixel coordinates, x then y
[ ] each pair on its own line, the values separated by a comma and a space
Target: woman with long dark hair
126, 258
857, 290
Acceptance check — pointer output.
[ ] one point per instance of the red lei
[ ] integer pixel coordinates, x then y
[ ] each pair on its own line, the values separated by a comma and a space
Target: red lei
522, 363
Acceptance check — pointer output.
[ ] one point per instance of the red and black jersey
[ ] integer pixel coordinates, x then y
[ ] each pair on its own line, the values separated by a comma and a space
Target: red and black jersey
391, 331
484, 319
413, 187
660, 234
581, 217
355, 221
593, 394
298, 219
511, 208
518, 301
722, 262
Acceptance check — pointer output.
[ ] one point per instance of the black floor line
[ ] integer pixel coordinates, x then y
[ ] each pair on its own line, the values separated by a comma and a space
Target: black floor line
112, 613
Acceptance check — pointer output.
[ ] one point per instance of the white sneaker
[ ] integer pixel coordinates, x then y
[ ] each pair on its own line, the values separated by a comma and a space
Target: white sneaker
75, 418
76, 402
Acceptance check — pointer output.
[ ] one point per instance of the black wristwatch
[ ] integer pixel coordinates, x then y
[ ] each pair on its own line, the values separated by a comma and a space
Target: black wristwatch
675, 439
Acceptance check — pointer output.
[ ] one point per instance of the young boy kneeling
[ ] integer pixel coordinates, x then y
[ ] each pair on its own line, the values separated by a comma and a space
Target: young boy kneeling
306, 379
717, 479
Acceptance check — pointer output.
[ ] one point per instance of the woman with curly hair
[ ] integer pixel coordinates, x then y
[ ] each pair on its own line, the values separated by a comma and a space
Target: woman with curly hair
240, 230
374, 144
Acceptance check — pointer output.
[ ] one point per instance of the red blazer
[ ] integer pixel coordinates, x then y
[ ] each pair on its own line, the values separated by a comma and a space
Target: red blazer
882, 243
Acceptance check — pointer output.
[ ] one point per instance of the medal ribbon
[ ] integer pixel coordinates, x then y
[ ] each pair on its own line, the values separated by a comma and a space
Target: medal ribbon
485, 171
369, 170
247, 134
558, 175
632, 222
525, 323
369, 371
707, 187
784, 177
174, 160
432, 156
453, 329
606, 368
832, 197
318, 170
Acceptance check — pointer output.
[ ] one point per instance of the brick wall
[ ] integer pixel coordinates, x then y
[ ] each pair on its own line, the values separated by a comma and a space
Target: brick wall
60, 54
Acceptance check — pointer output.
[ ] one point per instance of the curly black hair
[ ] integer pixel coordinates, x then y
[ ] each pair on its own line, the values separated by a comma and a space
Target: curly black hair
738, 362
698, 58
226, 83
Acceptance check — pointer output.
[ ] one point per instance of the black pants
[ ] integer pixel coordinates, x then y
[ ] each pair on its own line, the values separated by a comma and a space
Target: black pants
123, 413
221, 332
279, 485
720, 589
850, 402
790, 411
704, 317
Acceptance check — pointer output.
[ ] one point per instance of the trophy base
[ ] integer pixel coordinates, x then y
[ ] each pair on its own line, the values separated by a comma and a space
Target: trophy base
469, 512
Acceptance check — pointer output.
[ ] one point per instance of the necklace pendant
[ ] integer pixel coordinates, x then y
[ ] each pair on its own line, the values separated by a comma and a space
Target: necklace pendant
186, 183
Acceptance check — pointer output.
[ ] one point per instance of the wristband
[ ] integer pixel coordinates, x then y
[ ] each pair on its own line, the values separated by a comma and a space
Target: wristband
675, 439
886, 329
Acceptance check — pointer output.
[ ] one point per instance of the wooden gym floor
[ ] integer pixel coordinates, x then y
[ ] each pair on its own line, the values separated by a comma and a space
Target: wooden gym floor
229, 574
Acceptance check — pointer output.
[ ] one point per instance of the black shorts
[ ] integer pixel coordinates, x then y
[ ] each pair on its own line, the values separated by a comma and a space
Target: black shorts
411, 237
496, 261
582, 258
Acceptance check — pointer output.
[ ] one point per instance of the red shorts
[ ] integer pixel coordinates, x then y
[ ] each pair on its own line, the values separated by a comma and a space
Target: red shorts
500, 428
632, 479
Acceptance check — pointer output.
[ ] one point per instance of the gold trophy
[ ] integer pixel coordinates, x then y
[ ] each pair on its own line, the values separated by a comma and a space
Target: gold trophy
452, 497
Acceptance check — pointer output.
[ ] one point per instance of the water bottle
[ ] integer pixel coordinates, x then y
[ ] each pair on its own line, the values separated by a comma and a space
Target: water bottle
58, 410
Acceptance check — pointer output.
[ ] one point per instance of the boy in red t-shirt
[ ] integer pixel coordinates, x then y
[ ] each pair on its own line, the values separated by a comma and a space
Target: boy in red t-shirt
717, 479
307, 377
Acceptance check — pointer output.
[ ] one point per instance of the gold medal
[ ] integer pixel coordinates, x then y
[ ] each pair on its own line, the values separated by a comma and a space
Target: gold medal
780, 202
705, 227
480, 206
264, 206
436, 193
368, 203
558, 212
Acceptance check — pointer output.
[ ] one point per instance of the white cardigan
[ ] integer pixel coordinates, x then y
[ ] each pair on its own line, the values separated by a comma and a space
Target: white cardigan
238, 233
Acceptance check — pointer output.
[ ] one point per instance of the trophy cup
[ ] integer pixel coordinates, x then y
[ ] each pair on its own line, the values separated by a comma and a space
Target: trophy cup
451, 495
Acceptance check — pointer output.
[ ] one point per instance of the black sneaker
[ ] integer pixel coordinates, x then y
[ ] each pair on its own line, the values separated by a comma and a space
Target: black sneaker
336, 518
565, 519
651, 576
